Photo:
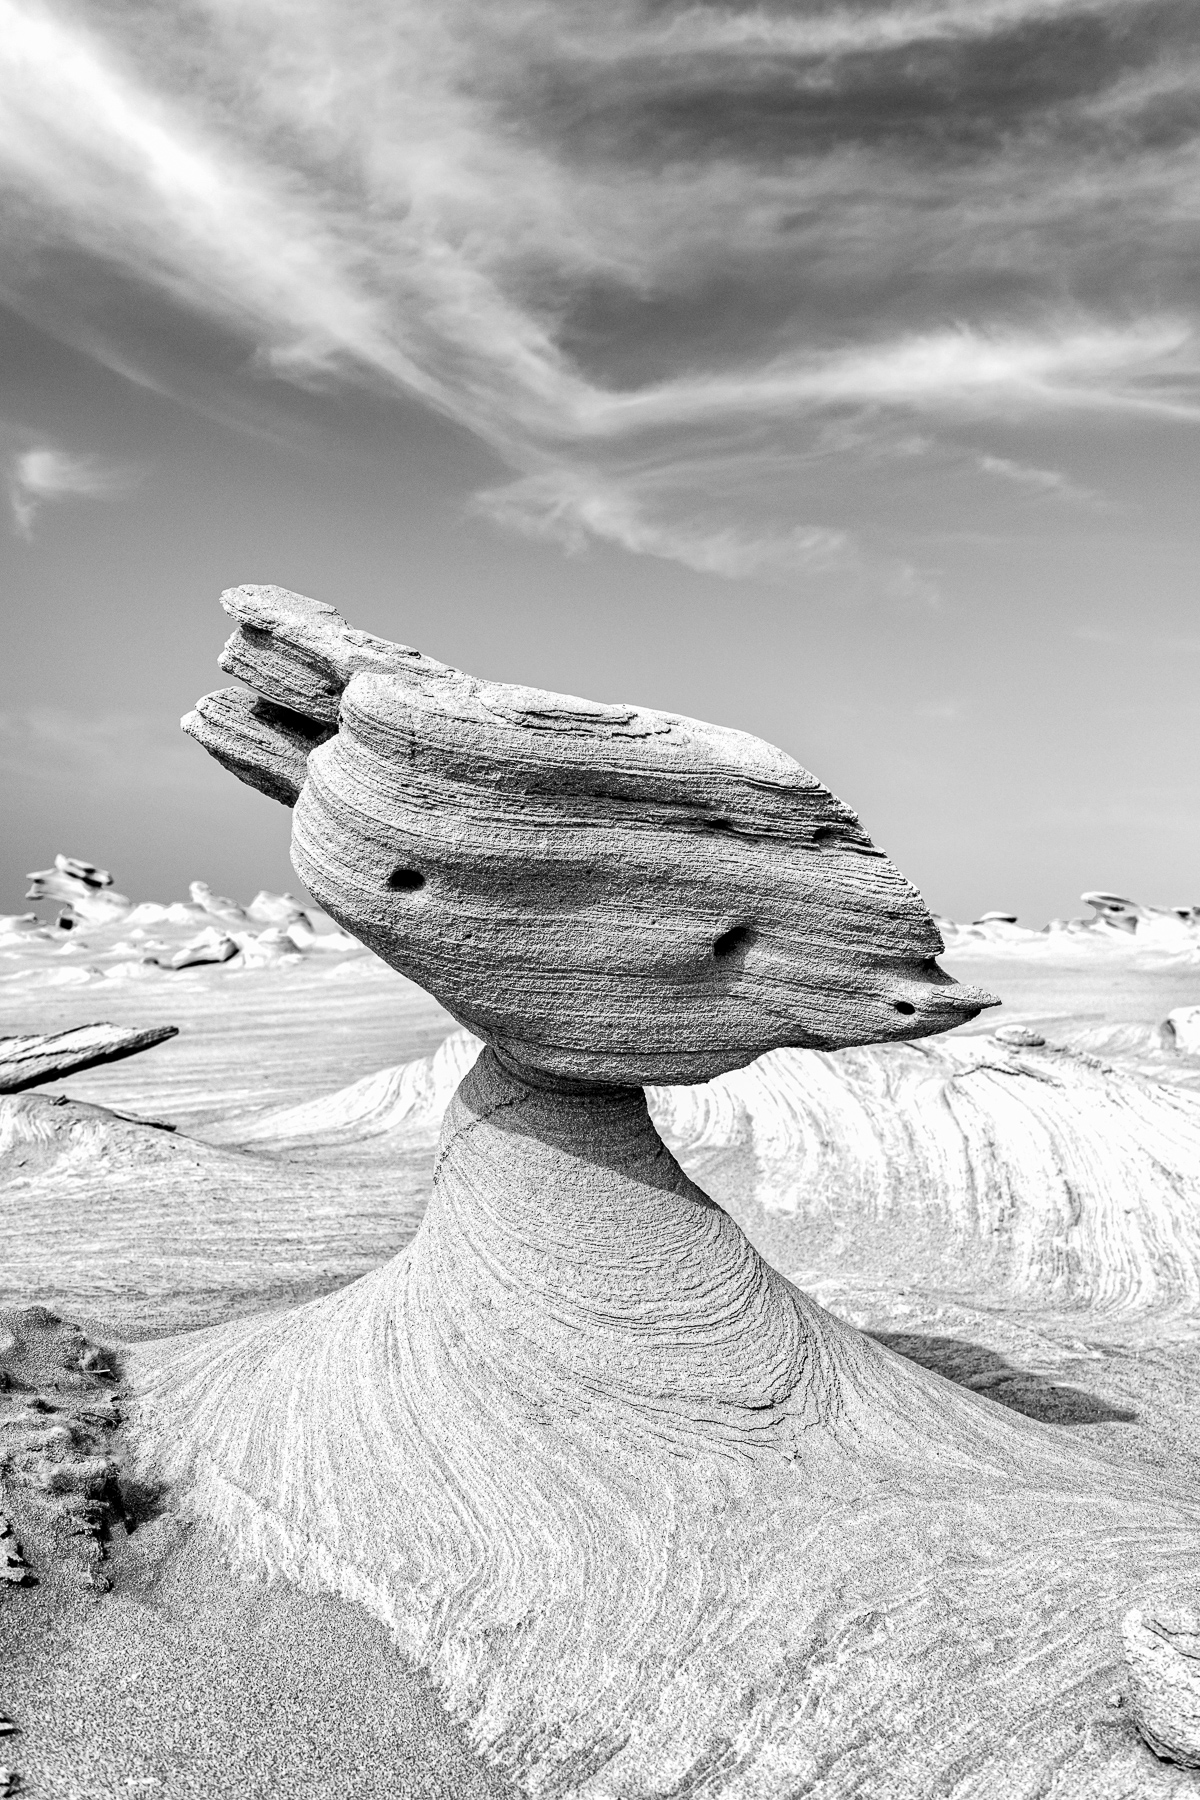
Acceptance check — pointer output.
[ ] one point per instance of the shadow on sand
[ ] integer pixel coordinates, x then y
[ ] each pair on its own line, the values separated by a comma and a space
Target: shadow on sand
987, 1373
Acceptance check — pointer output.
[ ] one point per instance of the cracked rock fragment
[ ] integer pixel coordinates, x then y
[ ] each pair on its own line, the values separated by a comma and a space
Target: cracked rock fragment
1162, 1648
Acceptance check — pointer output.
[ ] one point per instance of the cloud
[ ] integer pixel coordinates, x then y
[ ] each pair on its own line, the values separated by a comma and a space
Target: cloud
41, 474
845, 31
1041, 481
620, 244
949, 371
572, 510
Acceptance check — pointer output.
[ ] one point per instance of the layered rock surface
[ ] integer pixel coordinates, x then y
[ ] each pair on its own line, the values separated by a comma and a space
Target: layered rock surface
650, 1516
656, 1521
1035, 1172
29, 1061
603, 892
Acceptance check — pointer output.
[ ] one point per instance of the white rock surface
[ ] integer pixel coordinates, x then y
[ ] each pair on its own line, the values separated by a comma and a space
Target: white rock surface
655, 1521
639, 1542
1117, 926
1184, 1027
1162, 1648
104, 936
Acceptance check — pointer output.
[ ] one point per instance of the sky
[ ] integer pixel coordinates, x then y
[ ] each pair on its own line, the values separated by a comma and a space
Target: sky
826, 370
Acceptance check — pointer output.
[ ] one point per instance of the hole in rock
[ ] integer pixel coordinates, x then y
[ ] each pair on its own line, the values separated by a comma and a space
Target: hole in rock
406, 881
733, 942
905, 1007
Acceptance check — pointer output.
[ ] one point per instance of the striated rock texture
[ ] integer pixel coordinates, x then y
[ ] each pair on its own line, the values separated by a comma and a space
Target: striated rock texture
1028, 1171
1003, 1166
1162, 1648
602, 892
27, 1062
657, 1523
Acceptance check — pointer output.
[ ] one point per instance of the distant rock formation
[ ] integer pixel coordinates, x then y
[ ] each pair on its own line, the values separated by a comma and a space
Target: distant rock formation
100, 933
87, 891
1183, 1025
1115, 924
656, 1522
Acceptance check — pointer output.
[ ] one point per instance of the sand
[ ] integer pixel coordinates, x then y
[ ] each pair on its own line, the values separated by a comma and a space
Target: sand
185, 1682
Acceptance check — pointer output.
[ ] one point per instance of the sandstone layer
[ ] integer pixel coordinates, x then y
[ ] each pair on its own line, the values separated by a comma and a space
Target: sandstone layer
649, 1515
29, 1061
654, 1520
602, 892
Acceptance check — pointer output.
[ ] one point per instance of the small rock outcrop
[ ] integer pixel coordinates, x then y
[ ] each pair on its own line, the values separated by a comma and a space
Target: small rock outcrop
59, 1469
1162, 1648
86, 891
27, 1062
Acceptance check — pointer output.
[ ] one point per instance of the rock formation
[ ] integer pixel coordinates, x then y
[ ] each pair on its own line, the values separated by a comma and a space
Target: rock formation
1183, 1028
1162, 1646
656, 1522
87, 892
99, 934
601, 892
59, 1472
1116, 924
1002, 1167
30, 1061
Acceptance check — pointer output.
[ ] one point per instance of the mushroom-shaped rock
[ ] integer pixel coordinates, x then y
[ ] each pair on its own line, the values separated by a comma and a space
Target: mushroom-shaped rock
655, 1521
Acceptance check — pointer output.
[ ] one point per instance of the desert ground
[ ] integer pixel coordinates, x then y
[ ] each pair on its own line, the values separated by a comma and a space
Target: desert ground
1014, 1206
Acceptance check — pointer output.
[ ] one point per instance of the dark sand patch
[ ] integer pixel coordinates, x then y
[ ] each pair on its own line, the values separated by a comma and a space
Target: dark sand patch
183, 1682
133, 1662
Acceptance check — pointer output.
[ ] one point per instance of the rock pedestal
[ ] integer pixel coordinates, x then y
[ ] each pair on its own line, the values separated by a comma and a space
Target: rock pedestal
656, 1522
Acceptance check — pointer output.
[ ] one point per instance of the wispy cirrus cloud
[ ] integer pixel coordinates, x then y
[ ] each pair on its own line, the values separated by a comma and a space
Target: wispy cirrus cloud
820, 32
41, 473
1041, 481
651, 256
571, 508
